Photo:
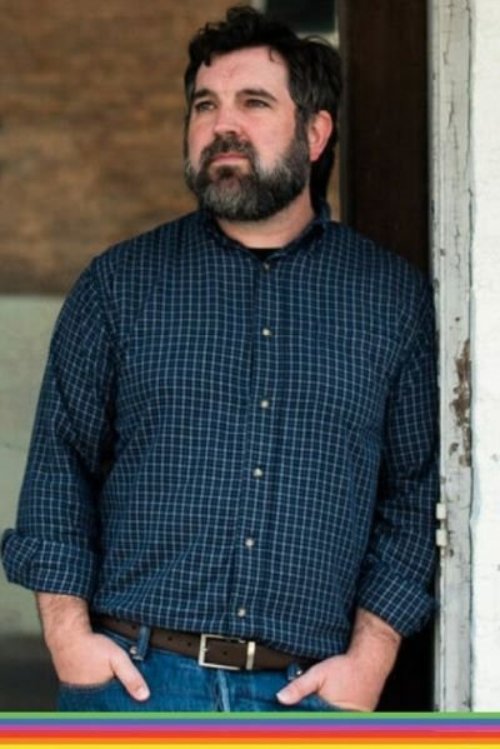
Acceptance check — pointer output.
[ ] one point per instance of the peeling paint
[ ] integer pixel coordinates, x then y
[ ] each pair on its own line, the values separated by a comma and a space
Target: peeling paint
461, 403
452, 217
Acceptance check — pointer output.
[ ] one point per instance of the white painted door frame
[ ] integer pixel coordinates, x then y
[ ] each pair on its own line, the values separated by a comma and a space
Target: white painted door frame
450, 41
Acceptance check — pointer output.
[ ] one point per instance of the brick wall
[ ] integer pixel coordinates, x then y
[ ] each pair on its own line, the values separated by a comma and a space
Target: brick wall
91, 129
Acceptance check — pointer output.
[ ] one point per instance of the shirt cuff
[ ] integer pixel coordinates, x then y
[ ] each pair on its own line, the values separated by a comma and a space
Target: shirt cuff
48, 566
402, 603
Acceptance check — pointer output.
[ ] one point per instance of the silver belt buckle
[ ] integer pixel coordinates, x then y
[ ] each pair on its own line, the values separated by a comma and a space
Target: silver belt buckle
204, 639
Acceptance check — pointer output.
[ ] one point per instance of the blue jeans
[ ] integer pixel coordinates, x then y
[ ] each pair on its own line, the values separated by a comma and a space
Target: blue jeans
178, 684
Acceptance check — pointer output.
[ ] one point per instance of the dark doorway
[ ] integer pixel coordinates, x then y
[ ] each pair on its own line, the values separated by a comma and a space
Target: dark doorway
384, 126
303, 15
384, 194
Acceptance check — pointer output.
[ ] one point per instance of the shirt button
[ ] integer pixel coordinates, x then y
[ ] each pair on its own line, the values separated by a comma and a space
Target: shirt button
265, 403
267, 333
249, 542
241, 612
257, 473
266, 265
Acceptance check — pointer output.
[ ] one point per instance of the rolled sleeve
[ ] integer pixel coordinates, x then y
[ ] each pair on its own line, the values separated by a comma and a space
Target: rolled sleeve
54, 546
48, 566
397, 570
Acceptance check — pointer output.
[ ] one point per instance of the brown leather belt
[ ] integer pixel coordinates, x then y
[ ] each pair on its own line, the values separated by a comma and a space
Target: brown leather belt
211, 651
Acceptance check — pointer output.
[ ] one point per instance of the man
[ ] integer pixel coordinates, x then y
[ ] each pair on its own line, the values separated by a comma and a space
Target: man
229, 498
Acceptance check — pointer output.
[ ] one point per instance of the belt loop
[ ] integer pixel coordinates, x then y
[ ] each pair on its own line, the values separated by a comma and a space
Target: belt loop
139, 651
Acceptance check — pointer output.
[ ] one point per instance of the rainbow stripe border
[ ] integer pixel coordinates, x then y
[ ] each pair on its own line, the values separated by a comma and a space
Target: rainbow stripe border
251, 730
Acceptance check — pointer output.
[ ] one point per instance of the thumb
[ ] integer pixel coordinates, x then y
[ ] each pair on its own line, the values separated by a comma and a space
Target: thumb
130, 677
299, 688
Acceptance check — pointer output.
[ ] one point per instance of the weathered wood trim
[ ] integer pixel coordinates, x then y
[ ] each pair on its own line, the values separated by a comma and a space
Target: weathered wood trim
451, 233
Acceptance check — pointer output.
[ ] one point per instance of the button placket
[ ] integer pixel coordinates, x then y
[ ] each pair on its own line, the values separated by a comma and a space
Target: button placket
259, 404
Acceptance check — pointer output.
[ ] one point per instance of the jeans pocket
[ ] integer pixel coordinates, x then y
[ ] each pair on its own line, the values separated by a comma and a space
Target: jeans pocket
315, 703
107, 696
83, 688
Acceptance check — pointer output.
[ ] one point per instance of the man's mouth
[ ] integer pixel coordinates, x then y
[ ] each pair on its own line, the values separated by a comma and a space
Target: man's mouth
228, 157
226, 153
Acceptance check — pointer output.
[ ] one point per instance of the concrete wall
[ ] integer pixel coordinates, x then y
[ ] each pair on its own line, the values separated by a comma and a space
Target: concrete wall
485, 108
25, 326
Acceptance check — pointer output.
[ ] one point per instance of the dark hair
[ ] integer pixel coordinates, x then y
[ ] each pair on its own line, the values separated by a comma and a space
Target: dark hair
314, 70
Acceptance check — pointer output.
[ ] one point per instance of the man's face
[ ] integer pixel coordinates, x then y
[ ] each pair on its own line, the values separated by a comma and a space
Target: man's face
247, 153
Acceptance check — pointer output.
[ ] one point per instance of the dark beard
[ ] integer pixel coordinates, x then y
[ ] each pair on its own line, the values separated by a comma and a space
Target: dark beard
257, 194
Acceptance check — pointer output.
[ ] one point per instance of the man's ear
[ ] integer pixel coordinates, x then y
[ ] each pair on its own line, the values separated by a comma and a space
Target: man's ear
319, 129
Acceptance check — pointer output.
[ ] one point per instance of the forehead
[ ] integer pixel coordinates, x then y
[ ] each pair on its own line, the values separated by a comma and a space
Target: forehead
245, 69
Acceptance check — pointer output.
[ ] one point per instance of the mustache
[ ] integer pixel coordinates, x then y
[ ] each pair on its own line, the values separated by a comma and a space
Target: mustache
227, 144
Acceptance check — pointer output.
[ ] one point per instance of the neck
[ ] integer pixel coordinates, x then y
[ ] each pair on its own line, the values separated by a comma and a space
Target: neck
277, 230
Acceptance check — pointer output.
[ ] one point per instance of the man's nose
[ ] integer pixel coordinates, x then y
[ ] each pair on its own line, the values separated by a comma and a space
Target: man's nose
227, 121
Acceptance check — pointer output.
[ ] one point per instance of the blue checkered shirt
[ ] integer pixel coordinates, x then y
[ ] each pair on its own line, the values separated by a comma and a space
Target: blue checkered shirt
229, 446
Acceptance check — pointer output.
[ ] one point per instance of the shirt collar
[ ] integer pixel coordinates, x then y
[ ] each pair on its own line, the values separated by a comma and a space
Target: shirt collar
313, 230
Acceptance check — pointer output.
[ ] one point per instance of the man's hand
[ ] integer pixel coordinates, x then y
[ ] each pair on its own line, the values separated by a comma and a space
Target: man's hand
91, 659
80, 656
353, 681
341, 680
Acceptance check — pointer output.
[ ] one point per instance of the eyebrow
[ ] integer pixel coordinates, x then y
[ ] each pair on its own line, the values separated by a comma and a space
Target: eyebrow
201, 93
260, 92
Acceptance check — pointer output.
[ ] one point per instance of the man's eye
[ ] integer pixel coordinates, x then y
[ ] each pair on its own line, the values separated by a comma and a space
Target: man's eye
256, 103
203, 106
